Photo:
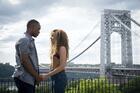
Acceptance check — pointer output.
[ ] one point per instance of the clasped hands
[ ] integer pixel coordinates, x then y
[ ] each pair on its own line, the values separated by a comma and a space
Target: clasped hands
41, 77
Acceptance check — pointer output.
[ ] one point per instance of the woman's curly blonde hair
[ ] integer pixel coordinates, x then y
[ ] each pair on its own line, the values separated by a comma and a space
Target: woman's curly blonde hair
60, 38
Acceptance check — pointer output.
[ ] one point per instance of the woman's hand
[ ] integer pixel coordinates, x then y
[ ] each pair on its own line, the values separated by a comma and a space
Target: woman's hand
45, 76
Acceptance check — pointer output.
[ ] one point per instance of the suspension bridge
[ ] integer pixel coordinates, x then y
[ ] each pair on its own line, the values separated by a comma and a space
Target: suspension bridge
118, 21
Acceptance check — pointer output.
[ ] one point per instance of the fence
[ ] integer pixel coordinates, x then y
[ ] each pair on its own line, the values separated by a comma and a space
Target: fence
91, 85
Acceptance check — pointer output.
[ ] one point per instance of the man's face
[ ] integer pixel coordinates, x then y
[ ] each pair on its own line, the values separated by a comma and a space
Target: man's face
36, 30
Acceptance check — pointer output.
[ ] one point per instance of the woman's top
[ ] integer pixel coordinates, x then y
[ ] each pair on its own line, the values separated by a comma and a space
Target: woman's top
55, 61
56, 55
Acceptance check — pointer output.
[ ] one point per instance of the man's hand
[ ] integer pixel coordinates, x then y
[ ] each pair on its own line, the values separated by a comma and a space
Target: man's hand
45, 76
39, 78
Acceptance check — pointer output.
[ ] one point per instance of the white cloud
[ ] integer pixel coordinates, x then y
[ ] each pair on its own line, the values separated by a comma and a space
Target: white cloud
14, 2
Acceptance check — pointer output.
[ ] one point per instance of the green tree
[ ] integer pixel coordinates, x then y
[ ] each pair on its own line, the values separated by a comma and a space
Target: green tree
6, 70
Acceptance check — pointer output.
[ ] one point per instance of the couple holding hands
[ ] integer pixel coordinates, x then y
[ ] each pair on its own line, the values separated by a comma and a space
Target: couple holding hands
26, 74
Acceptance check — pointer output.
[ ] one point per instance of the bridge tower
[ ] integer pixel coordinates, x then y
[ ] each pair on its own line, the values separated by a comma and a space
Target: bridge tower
109, 25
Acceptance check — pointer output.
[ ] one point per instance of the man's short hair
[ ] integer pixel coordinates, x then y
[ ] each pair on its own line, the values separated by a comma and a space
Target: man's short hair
32, 22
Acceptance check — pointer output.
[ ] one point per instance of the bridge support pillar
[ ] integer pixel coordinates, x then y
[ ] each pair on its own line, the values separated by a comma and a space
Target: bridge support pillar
109, 25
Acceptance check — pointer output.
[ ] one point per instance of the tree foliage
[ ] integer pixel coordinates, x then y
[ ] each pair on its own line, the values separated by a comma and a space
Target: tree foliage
6, 70
132, 86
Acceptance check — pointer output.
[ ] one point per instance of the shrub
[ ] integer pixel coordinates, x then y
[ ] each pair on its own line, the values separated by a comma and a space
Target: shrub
132, 86
94, 86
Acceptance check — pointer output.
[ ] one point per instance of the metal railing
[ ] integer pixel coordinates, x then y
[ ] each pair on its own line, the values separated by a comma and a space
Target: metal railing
91, 85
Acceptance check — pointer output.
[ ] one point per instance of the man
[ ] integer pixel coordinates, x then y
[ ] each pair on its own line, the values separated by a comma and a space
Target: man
26, 71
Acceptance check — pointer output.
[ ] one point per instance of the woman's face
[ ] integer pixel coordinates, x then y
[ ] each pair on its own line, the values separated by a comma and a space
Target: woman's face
53, 36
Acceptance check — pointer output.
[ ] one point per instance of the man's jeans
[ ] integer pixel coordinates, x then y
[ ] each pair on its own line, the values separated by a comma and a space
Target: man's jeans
24, 87
59, 82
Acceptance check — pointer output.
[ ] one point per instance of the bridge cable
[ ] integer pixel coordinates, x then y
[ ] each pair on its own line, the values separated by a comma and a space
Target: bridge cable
134, 21
83, 50
125, 25
95, 26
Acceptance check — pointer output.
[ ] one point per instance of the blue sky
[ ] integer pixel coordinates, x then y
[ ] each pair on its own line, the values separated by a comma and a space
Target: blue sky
76, 17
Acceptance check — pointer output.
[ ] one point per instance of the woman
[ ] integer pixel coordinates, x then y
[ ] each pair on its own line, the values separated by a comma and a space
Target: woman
59, 54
